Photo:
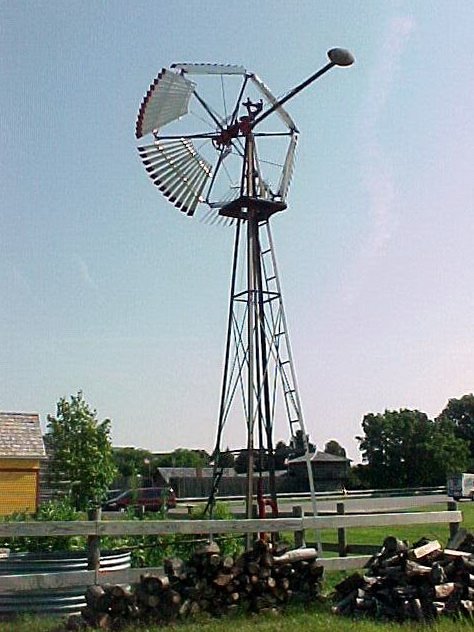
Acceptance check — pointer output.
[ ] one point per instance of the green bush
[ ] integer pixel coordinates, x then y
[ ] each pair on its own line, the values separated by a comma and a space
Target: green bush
152, 550
60, 510
146, 550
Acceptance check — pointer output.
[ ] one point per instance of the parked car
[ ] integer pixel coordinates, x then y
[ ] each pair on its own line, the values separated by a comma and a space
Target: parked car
112, 493
151, 498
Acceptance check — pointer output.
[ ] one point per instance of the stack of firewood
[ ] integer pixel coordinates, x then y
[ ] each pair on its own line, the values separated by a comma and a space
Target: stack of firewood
107, 605
261, 580
412, 583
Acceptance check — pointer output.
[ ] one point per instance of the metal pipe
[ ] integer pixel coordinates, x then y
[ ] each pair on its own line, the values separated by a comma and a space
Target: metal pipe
293, 93
337, 57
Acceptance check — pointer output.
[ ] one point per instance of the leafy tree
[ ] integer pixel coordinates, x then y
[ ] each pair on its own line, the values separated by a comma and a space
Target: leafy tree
226, 459
82, 450
182, 457
358, 477
242, 461
335, 448
297, 445
461, 413
282, 453
406, 449
131, 461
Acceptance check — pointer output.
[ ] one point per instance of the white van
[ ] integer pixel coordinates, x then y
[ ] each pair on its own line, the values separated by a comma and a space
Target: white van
461, 486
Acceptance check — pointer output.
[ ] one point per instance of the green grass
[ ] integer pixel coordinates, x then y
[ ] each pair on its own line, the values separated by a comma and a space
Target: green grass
412, 533
318, 618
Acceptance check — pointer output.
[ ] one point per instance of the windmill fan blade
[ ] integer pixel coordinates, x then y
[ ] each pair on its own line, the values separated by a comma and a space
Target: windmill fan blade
282, 113
210, 69
166, 100
288, 168
177, 170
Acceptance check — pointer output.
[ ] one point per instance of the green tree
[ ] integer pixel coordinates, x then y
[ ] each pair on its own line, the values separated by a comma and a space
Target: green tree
461, 413
406, 449
282, 453
226, 459
242, 461
335, 448
132, 461
297, 445
182, 457
82, 450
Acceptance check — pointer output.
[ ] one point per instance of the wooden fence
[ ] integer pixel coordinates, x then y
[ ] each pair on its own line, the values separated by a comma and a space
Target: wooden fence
298, 525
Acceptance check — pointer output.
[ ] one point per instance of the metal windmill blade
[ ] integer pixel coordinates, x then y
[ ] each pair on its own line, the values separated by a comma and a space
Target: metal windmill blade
199, 162
166, 100
177, 170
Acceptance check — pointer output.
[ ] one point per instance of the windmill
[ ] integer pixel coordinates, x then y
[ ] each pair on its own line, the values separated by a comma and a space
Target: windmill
221, 142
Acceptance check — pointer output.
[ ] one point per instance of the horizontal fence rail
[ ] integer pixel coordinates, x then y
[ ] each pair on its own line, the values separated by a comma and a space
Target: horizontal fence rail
94, 529
353, 493
194, 527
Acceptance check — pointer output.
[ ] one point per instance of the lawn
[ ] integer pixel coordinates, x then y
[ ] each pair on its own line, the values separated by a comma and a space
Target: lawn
317, 618
412, 533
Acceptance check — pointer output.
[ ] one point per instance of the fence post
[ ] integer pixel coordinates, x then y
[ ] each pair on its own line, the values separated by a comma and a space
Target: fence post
93, 542
341, 532
299, 535
453, 526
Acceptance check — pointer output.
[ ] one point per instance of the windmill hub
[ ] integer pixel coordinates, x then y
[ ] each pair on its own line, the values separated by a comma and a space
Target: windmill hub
243, 127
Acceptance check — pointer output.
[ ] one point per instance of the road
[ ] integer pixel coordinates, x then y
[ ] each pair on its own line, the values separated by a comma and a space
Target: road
361, 504
386, 503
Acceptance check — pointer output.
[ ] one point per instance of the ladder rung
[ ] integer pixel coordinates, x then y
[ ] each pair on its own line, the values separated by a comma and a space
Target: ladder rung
272, 278
265, 252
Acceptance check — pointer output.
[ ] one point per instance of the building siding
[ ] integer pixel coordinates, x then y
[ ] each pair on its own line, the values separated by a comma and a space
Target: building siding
21, 450
18, 486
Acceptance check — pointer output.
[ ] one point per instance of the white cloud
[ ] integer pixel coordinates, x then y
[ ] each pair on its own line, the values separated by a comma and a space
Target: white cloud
375, 163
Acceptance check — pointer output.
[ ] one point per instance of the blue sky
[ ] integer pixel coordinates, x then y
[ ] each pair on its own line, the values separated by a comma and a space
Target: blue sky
105, 287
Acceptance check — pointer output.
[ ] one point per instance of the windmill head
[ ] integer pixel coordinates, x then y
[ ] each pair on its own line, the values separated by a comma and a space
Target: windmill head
198, 117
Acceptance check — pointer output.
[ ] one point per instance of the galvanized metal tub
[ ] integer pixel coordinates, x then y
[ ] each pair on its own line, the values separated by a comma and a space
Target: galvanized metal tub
53, 600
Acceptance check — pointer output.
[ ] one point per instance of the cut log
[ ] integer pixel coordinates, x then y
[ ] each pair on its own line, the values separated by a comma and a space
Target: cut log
210, 548
443, 591
173, 566
223, 580
427, 549
412, 569
454, 553
96, 598
154, 584
296, 555
394, 546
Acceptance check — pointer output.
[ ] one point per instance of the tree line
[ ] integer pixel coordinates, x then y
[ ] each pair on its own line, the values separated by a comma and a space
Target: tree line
405, 448
401, 448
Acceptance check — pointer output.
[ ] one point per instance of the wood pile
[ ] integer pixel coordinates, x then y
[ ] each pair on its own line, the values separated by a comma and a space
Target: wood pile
417, 583
264, 579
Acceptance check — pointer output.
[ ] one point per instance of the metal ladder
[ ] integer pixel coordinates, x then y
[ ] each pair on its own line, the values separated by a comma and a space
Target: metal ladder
282, 348
280, 344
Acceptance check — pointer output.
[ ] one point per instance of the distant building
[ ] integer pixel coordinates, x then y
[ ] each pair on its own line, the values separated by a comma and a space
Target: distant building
330, 472
196, 481
21, 451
